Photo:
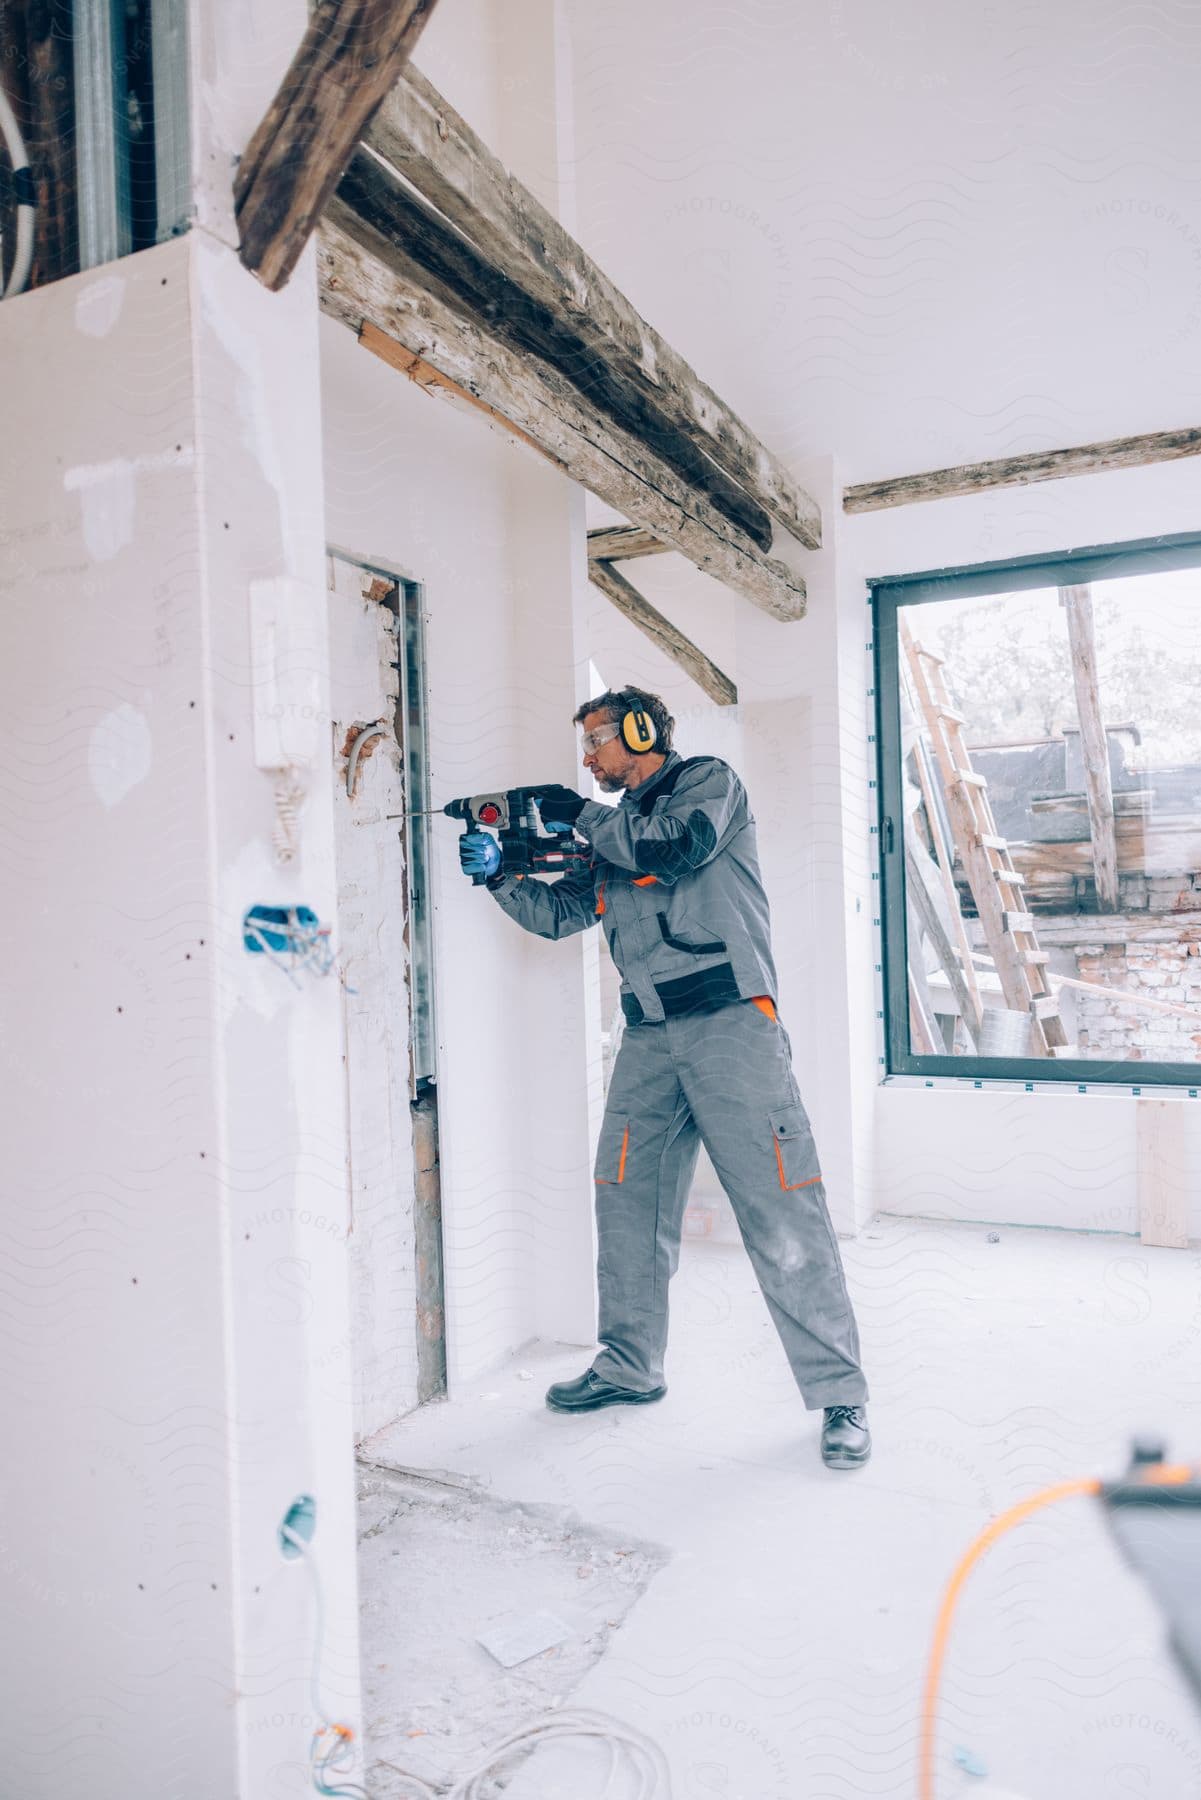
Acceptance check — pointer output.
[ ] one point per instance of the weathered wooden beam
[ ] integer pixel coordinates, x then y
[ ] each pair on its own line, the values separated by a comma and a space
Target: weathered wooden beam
423, 137
1077, 603
617, 543
431, 381
1020, 471
452, 270
366, 279
349, 58
649, 620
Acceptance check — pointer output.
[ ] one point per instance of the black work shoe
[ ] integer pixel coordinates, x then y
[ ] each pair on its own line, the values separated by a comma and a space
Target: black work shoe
591, 1390
846, 1440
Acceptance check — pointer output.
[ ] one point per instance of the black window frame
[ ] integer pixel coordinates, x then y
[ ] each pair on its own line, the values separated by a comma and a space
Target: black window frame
887, 595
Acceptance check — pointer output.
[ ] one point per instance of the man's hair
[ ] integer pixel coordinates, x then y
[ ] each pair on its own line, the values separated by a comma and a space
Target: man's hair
615, 703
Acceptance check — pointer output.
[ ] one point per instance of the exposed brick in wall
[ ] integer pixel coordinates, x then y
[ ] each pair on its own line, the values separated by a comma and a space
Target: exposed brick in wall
1165, 970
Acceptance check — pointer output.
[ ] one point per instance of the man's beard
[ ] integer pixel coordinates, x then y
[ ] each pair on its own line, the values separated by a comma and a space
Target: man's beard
611, 784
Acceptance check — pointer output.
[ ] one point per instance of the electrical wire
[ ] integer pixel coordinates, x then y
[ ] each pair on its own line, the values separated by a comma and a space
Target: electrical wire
1161, 1475
332, 1748
23, 188
629, 1751
288, 795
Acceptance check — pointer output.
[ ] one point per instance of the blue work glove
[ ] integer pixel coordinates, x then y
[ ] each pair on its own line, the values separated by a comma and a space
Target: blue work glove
479, 854
560, 807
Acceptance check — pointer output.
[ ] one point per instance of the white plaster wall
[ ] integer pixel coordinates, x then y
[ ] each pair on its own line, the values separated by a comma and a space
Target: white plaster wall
910, 235
496, 538
418, 487
114, 1395
175, 1197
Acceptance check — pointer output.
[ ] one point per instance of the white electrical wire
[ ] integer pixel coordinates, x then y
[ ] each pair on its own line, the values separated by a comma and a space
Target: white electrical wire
288, 794
630, 1752
15, 145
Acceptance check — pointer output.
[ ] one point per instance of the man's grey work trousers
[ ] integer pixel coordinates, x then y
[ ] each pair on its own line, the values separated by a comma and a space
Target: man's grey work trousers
723, 1079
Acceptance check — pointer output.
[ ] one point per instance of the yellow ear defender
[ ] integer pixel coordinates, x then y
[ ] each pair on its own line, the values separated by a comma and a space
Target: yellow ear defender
638, 731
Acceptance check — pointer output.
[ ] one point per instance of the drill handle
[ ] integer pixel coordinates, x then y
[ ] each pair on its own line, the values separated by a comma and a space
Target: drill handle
480, 878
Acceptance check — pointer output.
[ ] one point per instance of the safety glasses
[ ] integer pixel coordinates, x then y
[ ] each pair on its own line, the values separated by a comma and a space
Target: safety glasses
592, 740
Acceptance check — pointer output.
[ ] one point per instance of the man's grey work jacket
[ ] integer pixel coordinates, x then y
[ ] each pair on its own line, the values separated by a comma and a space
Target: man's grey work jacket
674, 879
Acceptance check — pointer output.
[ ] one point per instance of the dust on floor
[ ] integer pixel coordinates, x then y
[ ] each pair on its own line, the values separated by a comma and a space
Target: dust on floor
442, 1563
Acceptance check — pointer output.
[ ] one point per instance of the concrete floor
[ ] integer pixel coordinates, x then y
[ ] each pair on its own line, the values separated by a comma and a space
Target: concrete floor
779, 1654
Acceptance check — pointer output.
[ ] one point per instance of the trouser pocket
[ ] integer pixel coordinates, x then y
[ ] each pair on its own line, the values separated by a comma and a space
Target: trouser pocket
612, 1149
796, 1153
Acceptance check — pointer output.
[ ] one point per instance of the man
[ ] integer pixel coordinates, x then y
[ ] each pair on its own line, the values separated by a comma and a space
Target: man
674, 879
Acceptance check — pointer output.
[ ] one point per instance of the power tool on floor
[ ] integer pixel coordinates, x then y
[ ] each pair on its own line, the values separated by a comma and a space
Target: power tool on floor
513, 816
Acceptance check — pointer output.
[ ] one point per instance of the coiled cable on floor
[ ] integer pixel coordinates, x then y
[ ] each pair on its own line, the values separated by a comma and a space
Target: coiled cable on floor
630, 1752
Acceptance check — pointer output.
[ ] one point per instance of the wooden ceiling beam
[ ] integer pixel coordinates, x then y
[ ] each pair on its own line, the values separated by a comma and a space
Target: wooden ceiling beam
625, 363
651, 622
367, 278
1021, 471
454, 271
617, 543
348, 60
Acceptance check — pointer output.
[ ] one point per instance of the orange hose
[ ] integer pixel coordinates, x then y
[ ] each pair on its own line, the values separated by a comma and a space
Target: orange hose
1152, 1475
1063, 1490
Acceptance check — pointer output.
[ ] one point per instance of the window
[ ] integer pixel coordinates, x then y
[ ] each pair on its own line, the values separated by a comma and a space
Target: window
1039, 772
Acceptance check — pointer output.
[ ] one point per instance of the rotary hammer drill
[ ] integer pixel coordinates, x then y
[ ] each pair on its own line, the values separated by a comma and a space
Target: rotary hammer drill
513, 816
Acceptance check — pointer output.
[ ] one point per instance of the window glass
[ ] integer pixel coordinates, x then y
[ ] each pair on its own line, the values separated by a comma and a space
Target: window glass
1050, 821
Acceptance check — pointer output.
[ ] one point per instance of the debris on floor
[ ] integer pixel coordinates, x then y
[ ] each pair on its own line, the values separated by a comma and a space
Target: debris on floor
517, 1637
479, 1615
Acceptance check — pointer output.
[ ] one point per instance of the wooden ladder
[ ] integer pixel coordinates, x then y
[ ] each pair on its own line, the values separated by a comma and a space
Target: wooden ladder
996, 885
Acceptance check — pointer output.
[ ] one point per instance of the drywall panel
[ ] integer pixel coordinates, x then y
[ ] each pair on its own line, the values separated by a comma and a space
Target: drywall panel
174, 1213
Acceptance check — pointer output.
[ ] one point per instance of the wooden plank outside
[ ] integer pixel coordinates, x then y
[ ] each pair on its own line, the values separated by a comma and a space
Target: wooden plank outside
348, 60
649, 620
1163, 1177
921, 879
357, 286
1020, 471
615, 543
1129, 997
426, 140
1077, 603
1165, 848
944, 857
1133, 802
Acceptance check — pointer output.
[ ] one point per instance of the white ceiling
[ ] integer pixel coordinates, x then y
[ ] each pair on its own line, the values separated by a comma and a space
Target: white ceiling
912, 232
